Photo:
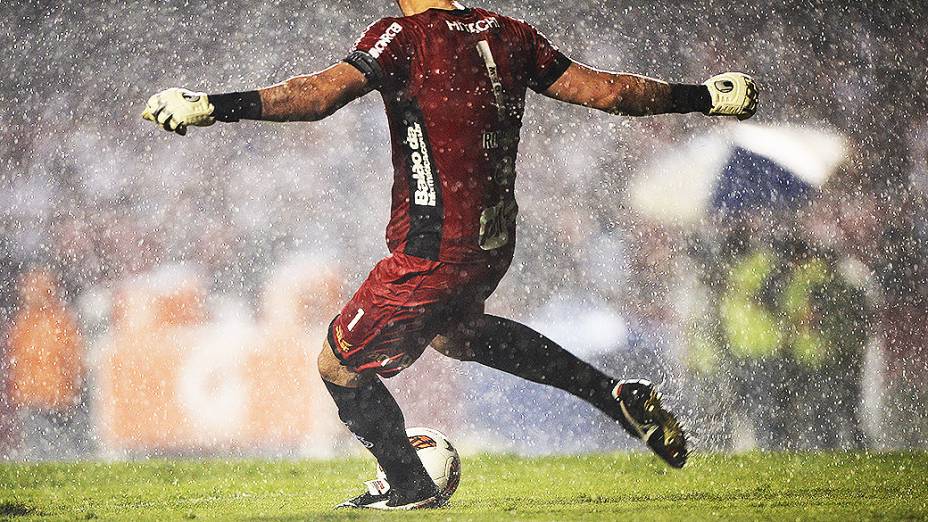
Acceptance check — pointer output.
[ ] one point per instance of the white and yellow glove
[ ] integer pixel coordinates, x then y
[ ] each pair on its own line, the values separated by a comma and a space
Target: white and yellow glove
733, 94
175, 109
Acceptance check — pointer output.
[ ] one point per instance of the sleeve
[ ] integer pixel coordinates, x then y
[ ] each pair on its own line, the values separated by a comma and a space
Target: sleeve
382, 54
546, 63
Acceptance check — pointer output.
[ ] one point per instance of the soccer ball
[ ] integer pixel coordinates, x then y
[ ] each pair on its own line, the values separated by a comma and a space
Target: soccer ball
438, 456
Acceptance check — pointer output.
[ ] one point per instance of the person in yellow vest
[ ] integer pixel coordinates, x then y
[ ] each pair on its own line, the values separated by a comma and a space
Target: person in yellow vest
828, 323
753, 340
795, 332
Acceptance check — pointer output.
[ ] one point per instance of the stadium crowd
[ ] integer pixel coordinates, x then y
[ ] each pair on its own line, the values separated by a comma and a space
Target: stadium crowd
837, 290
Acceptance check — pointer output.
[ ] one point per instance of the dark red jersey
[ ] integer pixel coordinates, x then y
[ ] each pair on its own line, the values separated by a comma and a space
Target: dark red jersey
454, 85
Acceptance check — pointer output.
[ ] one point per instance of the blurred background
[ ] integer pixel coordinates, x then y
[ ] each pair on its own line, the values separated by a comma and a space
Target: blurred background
162, 295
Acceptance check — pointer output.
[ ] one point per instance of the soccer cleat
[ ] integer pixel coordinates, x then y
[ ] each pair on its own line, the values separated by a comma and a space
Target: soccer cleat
380, 495
644, 417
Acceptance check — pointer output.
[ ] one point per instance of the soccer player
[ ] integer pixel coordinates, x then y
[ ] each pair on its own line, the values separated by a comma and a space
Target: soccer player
453, 80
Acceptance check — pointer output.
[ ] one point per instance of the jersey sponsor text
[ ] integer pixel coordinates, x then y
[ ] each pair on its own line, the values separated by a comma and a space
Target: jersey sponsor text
479, 26
421, 167
385, 39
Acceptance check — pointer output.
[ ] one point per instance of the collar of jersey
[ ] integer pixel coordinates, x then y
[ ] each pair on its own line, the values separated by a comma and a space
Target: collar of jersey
456, 12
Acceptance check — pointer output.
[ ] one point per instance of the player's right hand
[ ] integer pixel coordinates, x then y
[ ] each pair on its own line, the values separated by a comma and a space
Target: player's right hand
175, 109
733, 94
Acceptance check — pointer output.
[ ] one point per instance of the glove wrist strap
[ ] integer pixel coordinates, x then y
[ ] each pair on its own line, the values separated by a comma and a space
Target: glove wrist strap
234, 106
689, 98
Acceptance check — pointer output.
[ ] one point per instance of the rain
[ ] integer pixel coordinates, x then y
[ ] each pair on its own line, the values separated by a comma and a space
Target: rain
166, 296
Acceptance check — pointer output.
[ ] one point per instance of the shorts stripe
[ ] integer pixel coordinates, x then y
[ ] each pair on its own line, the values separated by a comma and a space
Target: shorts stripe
332, 344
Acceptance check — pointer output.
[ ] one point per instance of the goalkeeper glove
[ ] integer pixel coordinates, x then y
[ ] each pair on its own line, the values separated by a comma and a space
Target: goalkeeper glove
733, 94
175, 109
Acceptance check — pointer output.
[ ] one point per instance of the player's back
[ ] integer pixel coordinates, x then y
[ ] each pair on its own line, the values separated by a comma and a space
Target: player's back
454, 85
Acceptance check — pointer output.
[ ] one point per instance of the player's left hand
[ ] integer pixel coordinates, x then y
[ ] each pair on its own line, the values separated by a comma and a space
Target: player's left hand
733, 94
175, 109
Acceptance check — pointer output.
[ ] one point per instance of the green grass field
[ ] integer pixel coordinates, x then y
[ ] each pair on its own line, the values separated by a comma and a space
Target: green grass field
837, 486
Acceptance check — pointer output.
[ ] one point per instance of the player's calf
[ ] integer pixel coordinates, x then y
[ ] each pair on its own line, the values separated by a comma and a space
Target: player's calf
516, 349
369, 411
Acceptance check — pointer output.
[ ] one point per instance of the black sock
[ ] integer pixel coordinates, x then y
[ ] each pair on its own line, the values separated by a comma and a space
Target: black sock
373, 416
517, 349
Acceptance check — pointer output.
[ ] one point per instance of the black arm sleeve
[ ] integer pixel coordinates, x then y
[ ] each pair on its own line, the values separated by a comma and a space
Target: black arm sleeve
551, 73
689, 98
368, 66
234, 106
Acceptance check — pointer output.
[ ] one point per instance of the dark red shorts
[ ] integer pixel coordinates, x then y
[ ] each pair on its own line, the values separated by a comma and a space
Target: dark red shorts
404, 303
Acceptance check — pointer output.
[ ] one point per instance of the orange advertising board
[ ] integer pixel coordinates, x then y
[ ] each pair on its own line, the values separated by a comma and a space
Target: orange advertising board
173, 380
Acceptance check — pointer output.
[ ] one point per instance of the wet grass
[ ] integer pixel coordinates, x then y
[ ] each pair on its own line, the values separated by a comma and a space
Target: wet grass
839, 486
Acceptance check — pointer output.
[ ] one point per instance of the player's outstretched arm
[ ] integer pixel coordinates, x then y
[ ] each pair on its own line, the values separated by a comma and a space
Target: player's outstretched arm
727, 94
302, 98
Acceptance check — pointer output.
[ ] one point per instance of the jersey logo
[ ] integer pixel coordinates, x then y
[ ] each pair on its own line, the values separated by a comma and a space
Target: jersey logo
424, 194
343, 345
475, 27
385, 39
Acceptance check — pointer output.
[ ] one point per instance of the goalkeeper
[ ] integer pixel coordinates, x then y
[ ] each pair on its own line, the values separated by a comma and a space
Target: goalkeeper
453, 81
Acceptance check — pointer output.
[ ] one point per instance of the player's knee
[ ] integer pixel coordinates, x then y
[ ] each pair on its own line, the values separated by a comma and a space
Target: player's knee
332, 370
323, 363
454, 347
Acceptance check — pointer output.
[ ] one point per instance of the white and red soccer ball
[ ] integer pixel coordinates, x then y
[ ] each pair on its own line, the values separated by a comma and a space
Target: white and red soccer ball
438, 456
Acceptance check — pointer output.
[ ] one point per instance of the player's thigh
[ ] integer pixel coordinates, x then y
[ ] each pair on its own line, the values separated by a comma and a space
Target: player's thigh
390, 342
454, 339
390, 320
466, 309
